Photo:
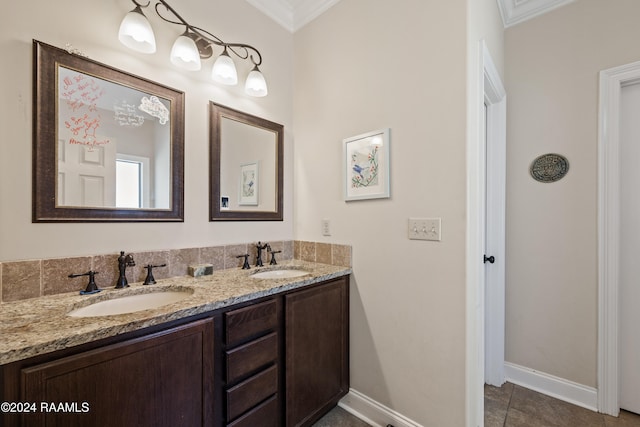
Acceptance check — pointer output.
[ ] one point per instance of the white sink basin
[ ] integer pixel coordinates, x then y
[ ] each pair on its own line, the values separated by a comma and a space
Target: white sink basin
279, 274
130, 304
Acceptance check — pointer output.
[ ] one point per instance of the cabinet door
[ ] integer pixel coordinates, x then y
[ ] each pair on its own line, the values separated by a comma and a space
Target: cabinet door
164, 379
317, 350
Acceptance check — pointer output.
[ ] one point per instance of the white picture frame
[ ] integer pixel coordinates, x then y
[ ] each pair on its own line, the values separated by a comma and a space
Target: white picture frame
249, 180
366, 165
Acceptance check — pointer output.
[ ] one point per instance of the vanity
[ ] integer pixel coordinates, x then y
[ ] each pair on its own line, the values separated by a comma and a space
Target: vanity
235, 351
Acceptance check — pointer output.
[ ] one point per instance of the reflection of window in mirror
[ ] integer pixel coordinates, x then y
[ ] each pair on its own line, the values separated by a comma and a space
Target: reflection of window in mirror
132, 181
128, 184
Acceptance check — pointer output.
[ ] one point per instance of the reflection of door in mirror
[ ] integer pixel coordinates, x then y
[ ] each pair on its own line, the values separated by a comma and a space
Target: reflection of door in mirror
83, 179
100, 122
244, 148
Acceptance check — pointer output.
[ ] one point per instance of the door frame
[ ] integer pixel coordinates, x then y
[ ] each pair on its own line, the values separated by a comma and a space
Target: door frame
487, 88
495, 98
611, 82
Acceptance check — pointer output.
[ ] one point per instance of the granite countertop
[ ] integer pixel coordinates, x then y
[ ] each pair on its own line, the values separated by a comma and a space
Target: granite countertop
41, 325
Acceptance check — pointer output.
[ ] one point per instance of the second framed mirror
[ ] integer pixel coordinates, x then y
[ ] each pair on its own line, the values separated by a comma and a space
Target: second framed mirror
246, 173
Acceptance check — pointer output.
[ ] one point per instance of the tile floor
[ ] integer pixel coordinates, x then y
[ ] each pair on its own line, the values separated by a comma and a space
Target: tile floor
515, 406
338, 417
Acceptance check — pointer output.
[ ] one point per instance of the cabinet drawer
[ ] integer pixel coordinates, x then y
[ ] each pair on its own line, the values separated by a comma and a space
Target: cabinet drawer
252, 356
249, 393
251, 321
263, 415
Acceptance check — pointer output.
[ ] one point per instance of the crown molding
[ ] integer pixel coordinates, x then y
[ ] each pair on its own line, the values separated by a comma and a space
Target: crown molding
293, 14
516, 11
306, 11
280, 11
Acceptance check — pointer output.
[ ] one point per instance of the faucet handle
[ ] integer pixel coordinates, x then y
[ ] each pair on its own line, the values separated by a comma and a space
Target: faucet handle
150, 280
245, 265
129, 260
91, 288
273, 257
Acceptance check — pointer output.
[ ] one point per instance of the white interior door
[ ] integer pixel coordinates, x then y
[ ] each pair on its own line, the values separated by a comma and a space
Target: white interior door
494, 220
629, 291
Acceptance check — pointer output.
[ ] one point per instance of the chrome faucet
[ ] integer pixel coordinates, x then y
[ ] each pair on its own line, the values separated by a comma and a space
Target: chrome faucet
124, 261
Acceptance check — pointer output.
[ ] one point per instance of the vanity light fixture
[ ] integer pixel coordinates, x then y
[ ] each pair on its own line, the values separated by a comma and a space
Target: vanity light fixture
192, 46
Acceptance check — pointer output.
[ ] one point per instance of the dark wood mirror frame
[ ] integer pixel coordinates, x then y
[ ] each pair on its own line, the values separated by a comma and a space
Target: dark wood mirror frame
46, 60
217, 112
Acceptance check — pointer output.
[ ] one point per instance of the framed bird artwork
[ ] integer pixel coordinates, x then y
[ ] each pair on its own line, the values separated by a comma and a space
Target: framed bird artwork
366, 165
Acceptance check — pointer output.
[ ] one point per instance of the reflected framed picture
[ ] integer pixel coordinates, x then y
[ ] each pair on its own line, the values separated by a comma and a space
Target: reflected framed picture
224, 202
366, 165
249, 178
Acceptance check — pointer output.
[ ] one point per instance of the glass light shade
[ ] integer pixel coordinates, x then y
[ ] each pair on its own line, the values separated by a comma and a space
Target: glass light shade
256, 85
224, 70
136, 33
184, 53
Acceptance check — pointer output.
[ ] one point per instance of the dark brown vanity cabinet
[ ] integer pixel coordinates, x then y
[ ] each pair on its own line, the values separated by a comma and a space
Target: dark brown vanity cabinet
287, 359
162, 379
279, 361
317, 350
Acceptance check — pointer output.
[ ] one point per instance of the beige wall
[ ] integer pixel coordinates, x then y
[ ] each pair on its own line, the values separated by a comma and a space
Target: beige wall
401, 65
552, 64
485, 23
71, 21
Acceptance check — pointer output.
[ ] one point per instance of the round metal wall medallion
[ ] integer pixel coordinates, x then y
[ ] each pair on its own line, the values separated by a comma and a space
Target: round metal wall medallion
549, 167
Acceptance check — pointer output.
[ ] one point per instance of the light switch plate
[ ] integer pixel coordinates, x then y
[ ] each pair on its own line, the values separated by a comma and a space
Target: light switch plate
425, 229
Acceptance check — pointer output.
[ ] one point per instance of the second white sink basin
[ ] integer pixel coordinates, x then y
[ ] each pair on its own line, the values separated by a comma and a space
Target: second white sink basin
130, 304
279, 274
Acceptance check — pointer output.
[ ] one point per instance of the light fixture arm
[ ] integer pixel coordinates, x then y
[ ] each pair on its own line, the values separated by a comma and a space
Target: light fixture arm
203, 38
140, 5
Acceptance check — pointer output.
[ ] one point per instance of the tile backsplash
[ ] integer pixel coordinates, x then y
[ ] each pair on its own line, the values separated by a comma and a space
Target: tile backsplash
33, 278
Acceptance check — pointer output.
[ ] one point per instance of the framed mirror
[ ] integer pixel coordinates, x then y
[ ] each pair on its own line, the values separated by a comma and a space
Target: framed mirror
246, 166
107, 146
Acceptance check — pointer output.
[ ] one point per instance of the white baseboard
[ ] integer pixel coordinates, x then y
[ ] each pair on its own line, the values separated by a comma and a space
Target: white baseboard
553, 386
372, 412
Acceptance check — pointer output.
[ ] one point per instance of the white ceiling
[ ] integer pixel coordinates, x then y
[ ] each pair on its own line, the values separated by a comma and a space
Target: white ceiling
295, 14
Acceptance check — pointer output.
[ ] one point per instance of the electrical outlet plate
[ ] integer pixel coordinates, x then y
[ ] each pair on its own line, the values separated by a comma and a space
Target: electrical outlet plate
326, 227
425, 229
